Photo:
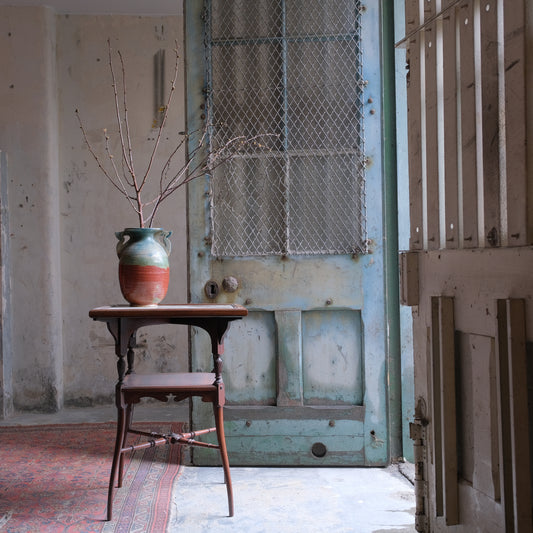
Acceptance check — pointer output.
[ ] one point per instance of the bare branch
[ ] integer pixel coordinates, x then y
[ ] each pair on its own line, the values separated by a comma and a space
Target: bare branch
123, 144
200, 159
126, 122
195, 168
118, 184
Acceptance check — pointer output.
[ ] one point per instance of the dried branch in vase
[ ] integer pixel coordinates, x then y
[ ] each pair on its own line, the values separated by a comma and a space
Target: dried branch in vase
195, 155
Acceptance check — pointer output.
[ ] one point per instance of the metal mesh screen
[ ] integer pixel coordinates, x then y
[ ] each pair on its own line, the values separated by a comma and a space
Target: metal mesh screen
292, 68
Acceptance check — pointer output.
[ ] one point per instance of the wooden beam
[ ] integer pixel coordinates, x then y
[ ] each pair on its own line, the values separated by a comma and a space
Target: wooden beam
436, 384
445, 409
467, 128
514, 415
412, 19
431, 139
449, 75
490, 126
515, 120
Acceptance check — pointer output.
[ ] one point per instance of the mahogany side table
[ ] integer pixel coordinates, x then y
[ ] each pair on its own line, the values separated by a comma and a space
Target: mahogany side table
123, 323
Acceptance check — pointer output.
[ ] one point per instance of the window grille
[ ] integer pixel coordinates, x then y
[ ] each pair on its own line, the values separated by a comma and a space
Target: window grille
292, 68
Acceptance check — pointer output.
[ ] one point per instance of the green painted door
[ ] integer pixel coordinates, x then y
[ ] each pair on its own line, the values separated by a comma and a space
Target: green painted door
292, 229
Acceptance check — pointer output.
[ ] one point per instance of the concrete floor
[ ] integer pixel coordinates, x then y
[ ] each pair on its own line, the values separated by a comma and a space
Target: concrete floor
292, 500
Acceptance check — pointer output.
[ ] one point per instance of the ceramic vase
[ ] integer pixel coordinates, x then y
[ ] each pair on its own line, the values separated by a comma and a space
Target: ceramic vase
143, 269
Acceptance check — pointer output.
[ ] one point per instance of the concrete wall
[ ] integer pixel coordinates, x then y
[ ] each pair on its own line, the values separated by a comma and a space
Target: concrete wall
62, 212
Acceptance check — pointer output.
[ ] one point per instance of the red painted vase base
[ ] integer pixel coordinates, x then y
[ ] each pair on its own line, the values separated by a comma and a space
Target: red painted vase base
143, 285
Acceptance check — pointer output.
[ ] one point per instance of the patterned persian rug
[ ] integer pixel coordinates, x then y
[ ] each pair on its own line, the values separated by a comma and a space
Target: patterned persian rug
54, 479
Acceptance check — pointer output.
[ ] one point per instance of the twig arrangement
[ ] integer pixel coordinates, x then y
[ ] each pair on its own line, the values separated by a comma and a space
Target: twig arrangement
200, 159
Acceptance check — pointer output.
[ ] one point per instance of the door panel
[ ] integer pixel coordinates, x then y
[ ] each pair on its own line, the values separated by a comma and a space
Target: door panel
306, 371
471, 293
492, 475
478, 414
252, 380
332, 358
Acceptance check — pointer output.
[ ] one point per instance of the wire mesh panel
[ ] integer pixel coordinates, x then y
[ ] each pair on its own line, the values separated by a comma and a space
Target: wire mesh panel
290, 68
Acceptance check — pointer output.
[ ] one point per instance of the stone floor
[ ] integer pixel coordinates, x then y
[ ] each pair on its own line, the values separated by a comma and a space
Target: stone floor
291, 500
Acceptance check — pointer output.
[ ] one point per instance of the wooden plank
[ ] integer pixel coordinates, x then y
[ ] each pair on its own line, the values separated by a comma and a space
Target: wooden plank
477, 414
449, 410
451, 204
514, 67
447, 3
516, 311
494, 424
490, 122
301, 413
505, 418
287, 435
431, 138
465, 408
467, 100
435, 387
289, 360
412, 20
529, 119
485, 430
514, 414
430, 9
412, 15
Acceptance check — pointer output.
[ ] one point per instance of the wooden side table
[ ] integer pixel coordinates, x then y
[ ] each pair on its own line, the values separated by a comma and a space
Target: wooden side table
123, 323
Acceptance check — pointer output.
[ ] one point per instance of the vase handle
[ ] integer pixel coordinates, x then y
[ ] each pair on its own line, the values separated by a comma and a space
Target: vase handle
163, 237
120, 235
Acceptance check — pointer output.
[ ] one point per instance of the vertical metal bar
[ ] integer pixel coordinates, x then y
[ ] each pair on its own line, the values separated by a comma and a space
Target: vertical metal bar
208, 118
284, 66
391, 232
208, 51
404, 226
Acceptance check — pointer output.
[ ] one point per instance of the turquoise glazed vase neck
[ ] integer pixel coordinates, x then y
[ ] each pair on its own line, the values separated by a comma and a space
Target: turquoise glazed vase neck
143, 268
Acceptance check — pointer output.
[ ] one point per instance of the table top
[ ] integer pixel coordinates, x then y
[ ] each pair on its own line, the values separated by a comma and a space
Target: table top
169, 311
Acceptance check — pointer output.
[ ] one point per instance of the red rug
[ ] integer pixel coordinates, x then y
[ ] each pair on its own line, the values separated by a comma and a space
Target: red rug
55, 478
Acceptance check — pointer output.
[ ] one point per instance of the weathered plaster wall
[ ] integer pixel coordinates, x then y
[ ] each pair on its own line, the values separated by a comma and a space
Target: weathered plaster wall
29, 118
62, 212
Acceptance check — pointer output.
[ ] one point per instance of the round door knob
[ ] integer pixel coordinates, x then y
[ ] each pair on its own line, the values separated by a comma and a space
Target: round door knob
230, 284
